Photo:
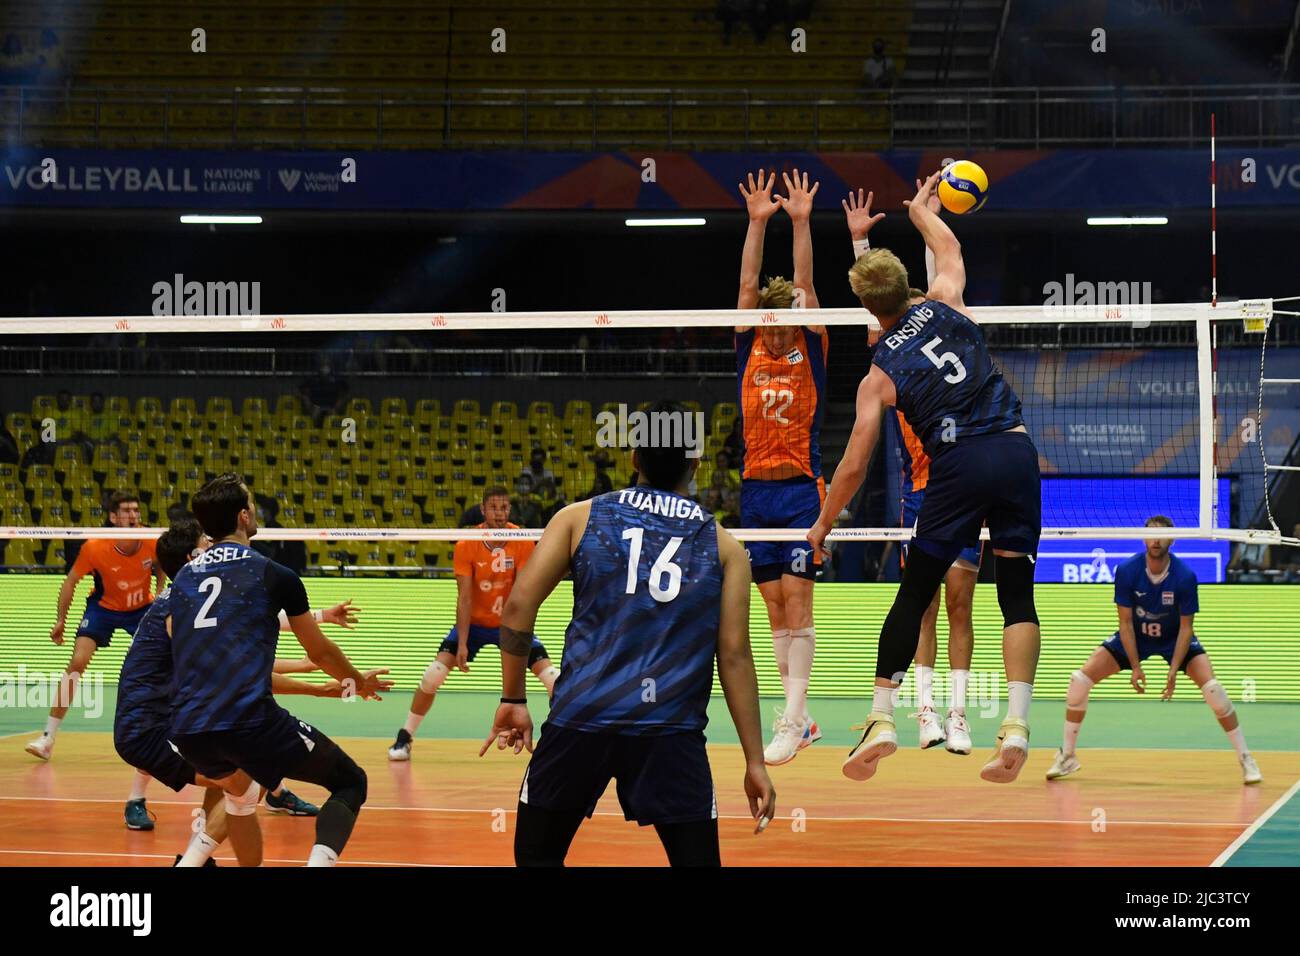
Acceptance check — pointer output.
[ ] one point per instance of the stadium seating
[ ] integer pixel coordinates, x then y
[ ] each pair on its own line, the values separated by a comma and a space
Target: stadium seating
373, 66
404, 470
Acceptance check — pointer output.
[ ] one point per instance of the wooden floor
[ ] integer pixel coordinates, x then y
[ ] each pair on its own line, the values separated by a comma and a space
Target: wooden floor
450, 808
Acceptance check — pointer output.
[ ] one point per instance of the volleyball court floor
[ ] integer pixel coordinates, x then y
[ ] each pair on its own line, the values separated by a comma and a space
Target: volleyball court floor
1160, 786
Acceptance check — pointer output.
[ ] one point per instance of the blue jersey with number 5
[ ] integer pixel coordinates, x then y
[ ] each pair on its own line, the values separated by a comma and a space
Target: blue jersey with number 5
647, 600
947, 386
1158, 605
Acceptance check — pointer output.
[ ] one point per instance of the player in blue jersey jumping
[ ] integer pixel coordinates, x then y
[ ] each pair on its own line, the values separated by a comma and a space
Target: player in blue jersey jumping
144, 692
659, 592
1155, 597
224, 627
933, 365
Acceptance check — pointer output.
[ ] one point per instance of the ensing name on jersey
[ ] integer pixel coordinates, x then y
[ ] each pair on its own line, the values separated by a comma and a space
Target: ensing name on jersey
647, 594
947, 386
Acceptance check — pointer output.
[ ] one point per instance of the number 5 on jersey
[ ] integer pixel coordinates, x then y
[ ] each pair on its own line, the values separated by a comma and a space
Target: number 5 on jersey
661, 569
959, 370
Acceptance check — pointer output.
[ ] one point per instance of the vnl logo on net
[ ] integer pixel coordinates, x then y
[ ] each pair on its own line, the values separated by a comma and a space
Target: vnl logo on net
40, 690
637, 429
1082, 299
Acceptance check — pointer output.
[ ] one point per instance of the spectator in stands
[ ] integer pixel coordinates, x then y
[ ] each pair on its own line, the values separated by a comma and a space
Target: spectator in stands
878, 69
731, 445
324, 393
41, 453
722, 466
728, 14
549, 500
601, 484
537, 471
8, 444
291, 554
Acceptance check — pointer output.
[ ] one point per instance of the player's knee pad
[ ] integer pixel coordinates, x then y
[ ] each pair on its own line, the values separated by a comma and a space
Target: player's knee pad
244, 805
1016, 590
1217, 698
433, 677
1076, 696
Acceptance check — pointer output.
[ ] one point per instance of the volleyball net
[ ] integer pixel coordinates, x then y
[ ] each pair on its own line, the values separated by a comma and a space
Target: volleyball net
369, 439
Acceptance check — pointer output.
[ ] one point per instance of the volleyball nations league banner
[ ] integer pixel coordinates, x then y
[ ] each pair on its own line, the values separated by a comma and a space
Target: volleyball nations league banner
1023, 180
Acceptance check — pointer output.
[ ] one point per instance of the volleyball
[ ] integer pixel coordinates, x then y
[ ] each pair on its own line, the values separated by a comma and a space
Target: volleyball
963, 187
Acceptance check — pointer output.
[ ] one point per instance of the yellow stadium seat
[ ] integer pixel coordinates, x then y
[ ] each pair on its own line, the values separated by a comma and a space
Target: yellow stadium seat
20, 552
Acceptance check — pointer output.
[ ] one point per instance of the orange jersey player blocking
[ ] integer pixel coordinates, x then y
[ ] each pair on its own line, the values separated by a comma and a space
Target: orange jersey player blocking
485, 573
782, 385
959, 582
124, 572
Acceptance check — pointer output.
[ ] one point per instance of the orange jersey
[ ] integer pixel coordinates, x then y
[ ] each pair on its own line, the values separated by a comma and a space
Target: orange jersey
781, 405
491, 567
122, 582
916, 463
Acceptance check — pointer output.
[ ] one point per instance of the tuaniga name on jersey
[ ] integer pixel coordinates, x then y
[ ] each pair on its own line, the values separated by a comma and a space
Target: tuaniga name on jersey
667, 506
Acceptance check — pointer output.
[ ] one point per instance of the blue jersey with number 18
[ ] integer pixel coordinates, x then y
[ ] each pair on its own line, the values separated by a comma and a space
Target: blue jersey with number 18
947, 386
1158, 603
647, 599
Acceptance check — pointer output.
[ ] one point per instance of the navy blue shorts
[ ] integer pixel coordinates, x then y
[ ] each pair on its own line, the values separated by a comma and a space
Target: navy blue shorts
911, 508
481, 636
268, 751
1151, 647
983, 479
149, 750
660, 779
99, 624
789, 503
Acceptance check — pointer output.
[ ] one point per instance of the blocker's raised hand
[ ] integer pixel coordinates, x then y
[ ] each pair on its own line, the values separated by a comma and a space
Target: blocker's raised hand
798, 201
857, 210
758, 197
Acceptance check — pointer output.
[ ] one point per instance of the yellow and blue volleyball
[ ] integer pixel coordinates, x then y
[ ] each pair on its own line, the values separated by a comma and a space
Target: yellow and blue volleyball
963, 187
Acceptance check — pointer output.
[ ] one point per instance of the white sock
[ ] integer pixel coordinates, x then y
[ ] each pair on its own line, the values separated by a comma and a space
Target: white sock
138, 784
781, 648
960, 680
803, 646
52, 727
882, 700
1238, 741
412, 723
199, 851
924, 687
1071, 736
1019, 694
322, 855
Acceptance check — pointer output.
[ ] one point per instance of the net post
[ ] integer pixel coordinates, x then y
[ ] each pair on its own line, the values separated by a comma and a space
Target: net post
1205, 394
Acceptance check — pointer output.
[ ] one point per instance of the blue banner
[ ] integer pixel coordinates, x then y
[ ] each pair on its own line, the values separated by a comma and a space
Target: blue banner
1094, 180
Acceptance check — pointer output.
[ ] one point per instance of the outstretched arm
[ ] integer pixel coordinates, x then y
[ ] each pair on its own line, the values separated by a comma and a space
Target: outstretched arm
798, 203
761, 207
949, 282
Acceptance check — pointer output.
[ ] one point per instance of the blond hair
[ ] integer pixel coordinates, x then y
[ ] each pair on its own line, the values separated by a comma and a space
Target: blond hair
879, 280
777, 294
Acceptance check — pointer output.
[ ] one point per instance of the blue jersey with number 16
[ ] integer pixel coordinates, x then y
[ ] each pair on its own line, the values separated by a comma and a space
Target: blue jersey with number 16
647, 600
947, 385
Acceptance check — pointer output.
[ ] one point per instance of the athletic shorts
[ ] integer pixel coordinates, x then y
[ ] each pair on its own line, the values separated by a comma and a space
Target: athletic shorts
1151, 647
660, 779
99, 624
150, 751
983, 479
911, 508
481, 636
267, 751
789, 503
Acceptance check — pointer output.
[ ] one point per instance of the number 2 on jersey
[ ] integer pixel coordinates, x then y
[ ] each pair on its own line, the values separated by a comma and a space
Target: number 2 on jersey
663, 567
958, 374
770, 397
212, 584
